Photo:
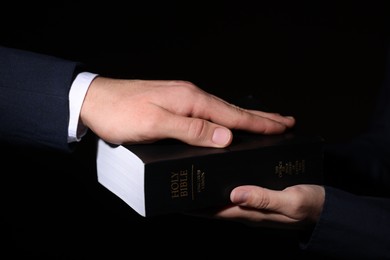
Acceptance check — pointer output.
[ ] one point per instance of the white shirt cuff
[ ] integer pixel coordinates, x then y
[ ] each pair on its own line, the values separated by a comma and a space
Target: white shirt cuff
78, 90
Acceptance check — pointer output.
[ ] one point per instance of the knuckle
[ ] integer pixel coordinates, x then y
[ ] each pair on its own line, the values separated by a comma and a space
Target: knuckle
262, 203
197, 129
184, 84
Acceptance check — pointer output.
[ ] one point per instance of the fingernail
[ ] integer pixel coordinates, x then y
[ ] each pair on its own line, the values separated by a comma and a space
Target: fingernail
292, 121
238, 197
221, 136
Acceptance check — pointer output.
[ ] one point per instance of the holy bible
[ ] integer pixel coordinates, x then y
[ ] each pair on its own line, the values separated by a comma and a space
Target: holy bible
172, 177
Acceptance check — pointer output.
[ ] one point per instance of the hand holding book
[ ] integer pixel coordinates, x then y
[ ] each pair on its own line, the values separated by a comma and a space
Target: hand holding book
296, 206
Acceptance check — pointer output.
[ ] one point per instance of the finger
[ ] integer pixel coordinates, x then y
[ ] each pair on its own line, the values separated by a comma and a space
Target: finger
233, 117
252, 215
289, 121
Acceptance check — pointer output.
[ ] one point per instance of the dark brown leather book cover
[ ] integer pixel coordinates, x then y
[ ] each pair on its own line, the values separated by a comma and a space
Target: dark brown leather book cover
178, 177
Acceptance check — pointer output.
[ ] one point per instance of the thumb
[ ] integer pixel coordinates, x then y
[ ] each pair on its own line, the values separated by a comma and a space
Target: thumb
199, 132
256, 197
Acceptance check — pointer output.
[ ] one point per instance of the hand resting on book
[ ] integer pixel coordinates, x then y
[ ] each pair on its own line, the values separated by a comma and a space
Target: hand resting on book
139, 111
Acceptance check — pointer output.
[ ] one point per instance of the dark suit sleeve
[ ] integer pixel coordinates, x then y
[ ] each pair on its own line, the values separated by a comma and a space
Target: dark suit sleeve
352, 226
355, 221
34, 106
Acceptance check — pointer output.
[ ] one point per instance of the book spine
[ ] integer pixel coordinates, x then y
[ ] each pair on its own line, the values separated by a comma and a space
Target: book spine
206, 181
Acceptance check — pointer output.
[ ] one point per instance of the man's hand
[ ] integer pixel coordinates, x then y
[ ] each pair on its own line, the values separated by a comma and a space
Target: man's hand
293, 207
144, 111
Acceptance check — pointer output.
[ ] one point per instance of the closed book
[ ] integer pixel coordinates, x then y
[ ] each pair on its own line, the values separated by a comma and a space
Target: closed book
172, 177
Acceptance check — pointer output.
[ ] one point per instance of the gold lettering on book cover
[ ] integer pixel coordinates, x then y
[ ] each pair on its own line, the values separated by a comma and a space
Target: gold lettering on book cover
200, 181
179, 184
290, 168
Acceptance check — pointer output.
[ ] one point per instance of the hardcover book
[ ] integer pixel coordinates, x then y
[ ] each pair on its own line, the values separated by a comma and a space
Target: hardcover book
171, 177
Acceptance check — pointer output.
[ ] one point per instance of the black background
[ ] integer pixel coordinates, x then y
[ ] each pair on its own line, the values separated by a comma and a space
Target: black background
322, 62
